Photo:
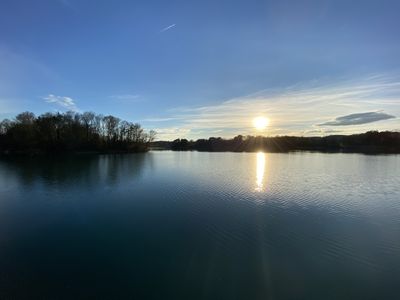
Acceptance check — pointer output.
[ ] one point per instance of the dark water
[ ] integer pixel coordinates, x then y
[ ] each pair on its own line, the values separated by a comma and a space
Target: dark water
189, 225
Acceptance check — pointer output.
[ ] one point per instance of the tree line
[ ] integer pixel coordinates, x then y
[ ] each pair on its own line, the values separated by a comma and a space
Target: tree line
72, 132
369, 142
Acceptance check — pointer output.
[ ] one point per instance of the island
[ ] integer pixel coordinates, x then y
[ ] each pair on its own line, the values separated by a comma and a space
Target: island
71, 132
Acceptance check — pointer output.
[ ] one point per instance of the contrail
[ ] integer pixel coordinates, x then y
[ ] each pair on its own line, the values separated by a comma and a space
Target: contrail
168, 27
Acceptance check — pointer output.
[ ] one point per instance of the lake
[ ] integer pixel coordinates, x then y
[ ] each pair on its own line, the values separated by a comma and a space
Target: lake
196, 225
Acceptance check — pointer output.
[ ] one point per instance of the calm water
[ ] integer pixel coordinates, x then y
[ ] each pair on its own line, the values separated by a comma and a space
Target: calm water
187, 225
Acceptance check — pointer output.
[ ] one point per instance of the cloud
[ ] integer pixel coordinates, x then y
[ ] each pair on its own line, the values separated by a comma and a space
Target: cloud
320, 132
167, 28
357, 119
65, 102
295, 110
159, 119
171, 133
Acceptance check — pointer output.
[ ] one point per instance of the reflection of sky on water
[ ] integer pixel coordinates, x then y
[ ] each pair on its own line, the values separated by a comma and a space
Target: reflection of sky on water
83, 171
161, 213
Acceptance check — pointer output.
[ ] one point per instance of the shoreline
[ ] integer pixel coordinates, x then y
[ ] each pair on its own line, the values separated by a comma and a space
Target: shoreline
344, 151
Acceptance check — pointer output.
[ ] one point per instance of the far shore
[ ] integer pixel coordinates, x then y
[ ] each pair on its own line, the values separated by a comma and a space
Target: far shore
372, 142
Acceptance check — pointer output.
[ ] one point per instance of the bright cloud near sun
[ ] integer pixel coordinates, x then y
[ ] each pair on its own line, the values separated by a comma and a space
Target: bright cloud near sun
308, 109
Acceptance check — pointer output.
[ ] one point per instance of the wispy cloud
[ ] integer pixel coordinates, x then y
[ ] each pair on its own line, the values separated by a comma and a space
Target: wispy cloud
299, 110
65, 102
321, 132
167, 28
357, 119
172, 133
159, 119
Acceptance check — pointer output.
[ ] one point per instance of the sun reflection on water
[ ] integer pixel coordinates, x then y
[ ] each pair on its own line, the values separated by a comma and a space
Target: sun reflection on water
260, 171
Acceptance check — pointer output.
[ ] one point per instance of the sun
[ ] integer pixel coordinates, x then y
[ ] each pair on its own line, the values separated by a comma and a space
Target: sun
260, 123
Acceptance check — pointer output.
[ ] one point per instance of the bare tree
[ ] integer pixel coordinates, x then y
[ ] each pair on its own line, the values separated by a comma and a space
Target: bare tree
111, 124
152, 136
25, 118
88, 121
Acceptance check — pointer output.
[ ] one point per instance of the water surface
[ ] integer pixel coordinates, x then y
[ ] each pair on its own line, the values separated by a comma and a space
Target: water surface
189, 225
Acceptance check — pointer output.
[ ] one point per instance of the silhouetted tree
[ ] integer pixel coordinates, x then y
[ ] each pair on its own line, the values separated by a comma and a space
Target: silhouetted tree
71, 131
369, 142
25, 118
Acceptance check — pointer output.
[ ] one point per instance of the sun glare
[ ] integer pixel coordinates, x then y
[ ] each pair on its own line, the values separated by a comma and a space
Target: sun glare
260, 123
260, 171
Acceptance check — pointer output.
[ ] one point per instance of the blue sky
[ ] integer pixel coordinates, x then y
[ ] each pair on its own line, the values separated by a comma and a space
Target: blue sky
206, 68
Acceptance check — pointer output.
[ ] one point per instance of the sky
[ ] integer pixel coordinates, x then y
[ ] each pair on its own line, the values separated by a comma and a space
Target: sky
195, 69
